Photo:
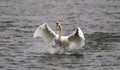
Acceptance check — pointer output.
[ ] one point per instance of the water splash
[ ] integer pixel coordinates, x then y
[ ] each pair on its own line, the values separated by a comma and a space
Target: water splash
60, 50
53, 50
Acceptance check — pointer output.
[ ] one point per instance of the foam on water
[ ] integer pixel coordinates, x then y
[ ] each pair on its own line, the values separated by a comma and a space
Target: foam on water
60, 50
53, 50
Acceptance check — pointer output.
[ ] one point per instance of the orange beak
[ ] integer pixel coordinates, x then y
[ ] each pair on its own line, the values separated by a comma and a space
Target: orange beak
56, 24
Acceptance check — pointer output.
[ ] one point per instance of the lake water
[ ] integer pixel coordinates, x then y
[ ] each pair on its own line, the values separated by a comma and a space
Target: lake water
98, 19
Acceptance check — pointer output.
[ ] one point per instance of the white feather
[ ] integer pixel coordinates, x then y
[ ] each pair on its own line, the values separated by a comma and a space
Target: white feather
77, 37
45, 32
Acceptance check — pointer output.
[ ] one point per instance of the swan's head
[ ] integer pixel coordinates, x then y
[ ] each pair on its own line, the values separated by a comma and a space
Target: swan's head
58, 24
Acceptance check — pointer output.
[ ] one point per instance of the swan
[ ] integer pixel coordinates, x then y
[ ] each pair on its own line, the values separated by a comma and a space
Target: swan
48, 35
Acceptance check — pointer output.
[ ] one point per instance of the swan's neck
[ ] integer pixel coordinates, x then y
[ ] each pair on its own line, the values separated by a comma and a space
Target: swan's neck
60, 32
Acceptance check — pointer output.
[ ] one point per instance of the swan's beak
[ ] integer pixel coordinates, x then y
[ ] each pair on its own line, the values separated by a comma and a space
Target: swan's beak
56, 24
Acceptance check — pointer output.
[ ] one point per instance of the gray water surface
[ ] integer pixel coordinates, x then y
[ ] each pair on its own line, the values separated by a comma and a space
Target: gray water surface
98, 19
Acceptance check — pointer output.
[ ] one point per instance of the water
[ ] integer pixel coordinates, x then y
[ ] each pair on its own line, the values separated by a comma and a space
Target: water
99, 20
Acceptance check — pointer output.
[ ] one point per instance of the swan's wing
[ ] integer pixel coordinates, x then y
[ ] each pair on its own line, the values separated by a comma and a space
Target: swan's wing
45, 32
77, 37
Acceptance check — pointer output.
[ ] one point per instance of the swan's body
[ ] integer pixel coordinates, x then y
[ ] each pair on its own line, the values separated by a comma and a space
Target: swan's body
45, 32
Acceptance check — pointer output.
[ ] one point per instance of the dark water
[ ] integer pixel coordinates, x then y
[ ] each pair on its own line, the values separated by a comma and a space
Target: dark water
99, 20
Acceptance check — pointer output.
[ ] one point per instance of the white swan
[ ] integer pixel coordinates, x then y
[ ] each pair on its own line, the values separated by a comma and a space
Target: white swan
45, 32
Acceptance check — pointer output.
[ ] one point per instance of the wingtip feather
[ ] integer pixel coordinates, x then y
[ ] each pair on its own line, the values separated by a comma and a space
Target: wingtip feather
45, 32
37, 32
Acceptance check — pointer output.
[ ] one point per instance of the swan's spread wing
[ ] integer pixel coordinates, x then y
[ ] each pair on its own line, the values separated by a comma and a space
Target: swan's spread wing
77, 37
45, 32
